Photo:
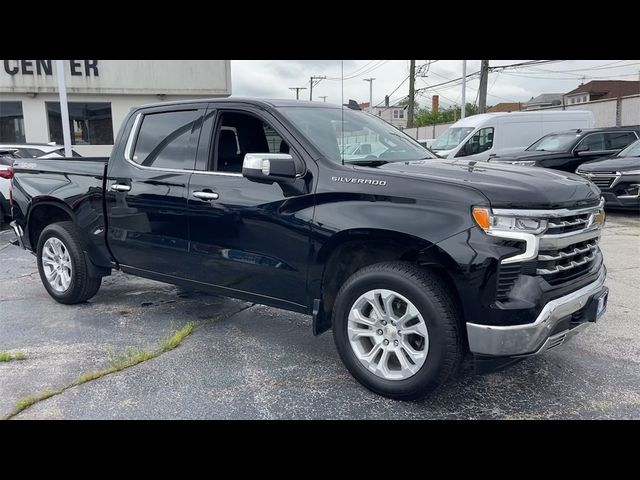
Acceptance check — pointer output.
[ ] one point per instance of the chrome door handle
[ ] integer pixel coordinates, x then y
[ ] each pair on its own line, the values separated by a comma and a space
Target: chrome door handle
119, 187
207, 196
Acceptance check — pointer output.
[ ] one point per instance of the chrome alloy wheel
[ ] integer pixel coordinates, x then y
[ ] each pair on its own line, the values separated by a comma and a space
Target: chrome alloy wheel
388, 334
56, 263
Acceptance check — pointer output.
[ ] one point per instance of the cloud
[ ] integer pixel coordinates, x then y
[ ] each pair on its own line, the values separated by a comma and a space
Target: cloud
273, 78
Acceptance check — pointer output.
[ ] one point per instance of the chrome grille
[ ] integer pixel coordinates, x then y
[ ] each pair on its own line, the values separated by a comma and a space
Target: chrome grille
558, 266
603, 182
565, 251
568, 224
602, 179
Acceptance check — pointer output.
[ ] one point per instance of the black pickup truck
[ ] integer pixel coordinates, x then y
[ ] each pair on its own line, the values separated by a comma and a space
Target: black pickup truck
411, 260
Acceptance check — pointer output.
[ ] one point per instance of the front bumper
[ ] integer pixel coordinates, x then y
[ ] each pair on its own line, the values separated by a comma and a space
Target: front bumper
621, 201
542, 334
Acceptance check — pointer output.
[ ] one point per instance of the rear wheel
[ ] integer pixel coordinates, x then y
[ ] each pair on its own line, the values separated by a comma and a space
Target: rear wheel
396, 328
62, 264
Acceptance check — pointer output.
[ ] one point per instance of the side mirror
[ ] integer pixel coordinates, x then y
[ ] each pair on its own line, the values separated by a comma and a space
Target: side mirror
270, 167
581, 149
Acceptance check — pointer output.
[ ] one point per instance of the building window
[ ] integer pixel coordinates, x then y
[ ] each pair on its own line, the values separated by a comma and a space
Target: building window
11, 122
398, 113
91, 123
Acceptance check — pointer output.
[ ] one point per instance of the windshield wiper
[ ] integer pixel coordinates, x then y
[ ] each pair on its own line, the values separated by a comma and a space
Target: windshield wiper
367, 163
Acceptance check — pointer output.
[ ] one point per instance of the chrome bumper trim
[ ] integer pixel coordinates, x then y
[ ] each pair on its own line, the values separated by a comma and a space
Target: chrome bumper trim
532, 338
17, 229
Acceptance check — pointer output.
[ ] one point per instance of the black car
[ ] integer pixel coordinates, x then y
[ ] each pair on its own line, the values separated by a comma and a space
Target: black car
568, 149
618, 177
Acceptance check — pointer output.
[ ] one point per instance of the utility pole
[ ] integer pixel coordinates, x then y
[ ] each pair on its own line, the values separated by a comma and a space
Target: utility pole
370, 80
463, 111
412, 81
324, 98
482, 92
64, 108
297, 89
311, 85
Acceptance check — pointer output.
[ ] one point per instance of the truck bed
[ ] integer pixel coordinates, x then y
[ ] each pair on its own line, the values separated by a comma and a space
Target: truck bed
92, 166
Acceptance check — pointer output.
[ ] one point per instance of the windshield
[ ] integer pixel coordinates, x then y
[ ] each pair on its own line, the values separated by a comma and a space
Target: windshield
451, 138
556, 142
334, 130
632, 150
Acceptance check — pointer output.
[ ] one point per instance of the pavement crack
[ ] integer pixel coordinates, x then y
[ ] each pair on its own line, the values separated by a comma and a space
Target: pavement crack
119, 362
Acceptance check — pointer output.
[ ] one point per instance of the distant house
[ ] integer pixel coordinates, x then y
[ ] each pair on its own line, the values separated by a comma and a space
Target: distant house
506, 107
601, 90
543, 100
396, 115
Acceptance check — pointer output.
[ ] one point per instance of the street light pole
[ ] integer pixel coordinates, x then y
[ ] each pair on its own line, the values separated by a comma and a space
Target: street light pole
324, 98
370, 80
64, 108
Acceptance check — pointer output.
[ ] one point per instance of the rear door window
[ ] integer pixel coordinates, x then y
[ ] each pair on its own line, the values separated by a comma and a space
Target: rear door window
593, 143
618, 140
167, 140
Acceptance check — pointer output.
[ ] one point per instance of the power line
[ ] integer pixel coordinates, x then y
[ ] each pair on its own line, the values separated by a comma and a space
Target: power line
523, 64
361, 68
394, 90
606, 66
361, 73
590, 77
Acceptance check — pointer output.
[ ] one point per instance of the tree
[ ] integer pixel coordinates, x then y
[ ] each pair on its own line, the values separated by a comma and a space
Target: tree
424, 116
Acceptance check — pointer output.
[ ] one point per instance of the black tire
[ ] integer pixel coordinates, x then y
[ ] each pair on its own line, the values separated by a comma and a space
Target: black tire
432, 298
82, 286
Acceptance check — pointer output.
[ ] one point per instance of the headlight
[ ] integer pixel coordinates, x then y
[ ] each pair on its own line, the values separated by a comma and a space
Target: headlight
599, 218
499, 223
631, 172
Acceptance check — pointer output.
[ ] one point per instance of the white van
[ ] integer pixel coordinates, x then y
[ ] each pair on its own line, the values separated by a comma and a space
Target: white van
486, 135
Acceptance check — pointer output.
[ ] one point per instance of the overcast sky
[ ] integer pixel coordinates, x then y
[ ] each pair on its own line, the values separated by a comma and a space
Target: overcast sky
272, 78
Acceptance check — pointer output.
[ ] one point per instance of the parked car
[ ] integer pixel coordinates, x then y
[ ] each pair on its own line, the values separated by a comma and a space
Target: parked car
567, 150
480, 137
37, 150
412, 262
7, 157
618, 177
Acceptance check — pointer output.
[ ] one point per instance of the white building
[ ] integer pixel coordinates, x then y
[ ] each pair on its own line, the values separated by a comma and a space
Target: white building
396, 115
100, 93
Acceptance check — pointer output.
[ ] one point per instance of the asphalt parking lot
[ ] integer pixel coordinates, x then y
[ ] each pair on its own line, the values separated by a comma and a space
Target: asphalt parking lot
248, 361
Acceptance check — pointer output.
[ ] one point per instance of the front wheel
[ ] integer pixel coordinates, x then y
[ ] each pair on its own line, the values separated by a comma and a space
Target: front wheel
396, 328
62, 264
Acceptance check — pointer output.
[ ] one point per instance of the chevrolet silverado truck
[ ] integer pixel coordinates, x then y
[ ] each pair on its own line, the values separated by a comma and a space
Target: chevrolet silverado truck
412, 261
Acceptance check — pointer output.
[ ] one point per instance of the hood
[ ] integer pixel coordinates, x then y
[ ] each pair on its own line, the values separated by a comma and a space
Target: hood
615, 164
506, 186
528, 155
443, 153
